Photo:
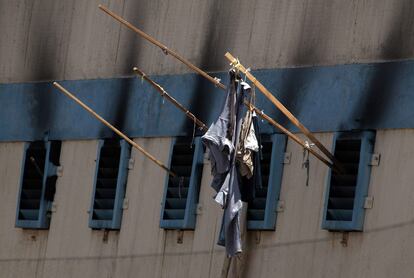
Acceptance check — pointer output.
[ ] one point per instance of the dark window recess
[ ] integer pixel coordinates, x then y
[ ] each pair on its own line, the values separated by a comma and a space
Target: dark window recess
261, 212
110, 183
342, 189
181, 192
38, 184
256, 208
346, 191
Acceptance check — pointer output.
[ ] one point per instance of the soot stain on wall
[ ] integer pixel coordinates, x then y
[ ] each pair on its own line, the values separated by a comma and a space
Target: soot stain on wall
373, 105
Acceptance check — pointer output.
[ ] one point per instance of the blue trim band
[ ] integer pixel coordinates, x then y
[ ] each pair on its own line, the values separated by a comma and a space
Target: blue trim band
328, 98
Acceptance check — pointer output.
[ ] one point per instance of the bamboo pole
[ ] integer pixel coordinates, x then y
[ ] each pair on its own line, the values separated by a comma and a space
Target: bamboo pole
249, 105
164, 94
235, 62
164, 48
293, 137
214, 80
117, 131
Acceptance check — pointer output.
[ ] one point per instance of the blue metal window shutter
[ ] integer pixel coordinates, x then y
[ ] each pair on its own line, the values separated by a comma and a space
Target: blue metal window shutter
261, 213
180, 198
37, 184
345, 193
109, 184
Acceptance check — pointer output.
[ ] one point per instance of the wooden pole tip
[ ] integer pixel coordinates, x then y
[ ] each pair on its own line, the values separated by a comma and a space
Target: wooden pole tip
55, 83
135, 69
100, 6
228, 55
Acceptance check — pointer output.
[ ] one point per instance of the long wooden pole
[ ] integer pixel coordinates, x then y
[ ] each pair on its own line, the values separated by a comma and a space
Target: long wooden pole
249, 105
166, 95
117, 131
293, 137
235, 62
162, 46
215, 81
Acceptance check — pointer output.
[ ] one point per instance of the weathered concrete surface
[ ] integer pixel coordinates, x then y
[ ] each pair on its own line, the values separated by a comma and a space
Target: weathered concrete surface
73, 39
298, 247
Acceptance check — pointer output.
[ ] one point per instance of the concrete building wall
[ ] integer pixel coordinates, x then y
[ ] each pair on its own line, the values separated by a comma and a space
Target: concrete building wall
73, 39
298, 247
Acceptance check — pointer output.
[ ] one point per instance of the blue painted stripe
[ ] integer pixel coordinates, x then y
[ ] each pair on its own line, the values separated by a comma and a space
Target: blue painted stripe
328, 98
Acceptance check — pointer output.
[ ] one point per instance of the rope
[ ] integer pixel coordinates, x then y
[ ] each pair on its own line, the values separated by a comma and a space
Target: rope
305, 163
194, 129
163, 95
245, 74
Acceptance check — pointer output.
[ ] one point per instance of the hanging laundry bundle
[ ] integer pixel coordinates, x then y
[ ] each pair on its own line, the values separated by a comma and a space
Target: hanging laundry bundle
249, 162
247, 145
232, 140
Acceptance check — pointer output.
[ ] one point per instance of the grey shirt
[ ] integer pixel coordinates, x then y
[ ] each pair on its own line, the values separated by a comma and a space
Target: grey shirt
221, 139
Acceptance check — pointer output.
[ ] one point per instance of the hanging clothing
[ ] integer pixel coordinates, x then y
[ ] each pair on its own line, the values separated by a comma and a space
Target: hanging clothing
247, 145
221, 139
257, 176
218, 138
248, 158
248, 186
